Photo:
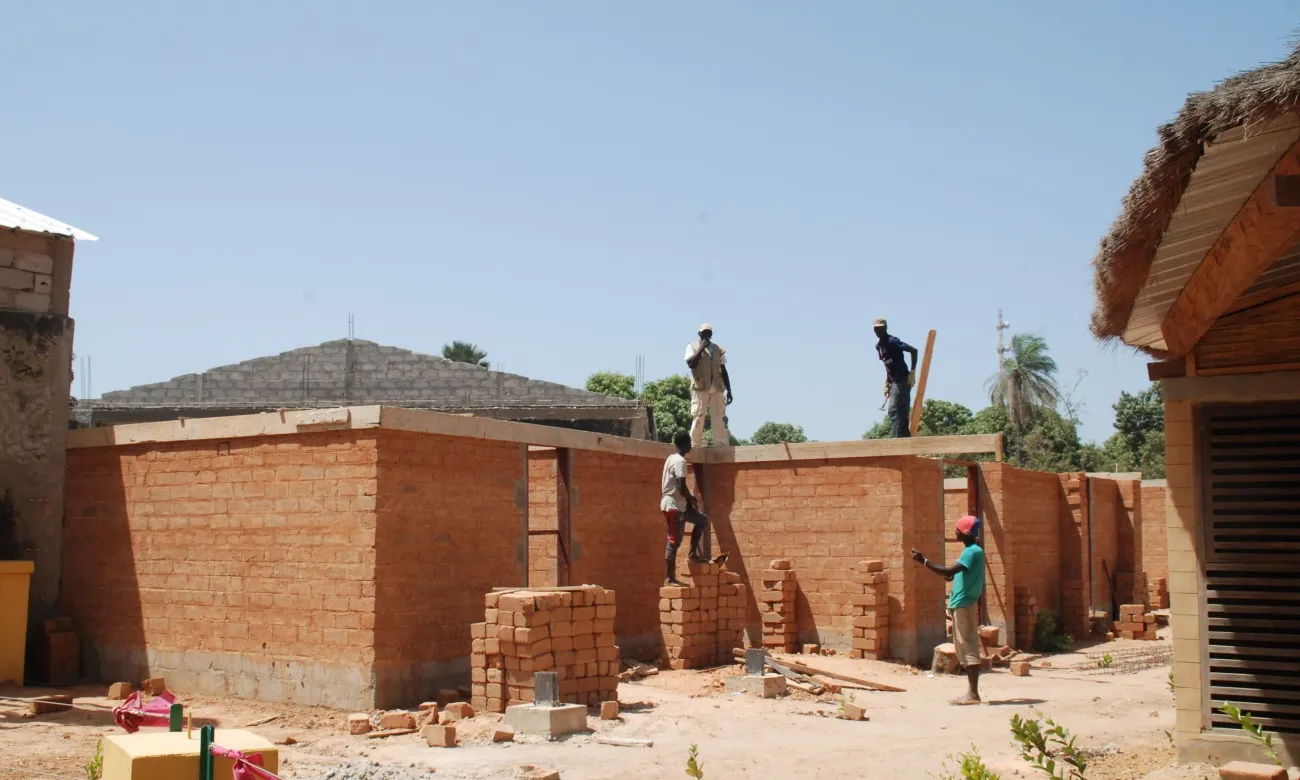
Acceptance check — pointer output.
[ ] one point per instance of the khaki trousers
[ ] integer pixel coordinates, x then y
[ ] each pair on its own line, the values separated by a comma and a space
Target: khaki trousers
714, 404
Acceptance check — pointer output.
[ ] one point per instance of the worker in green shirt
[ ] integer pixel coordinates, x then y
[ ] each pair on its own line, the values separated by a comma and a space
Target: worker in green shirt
967, 576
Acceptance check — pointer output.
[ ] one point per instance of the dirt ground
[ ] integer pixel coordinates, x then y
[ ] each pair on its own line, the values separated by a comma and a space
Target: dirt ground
1122, 718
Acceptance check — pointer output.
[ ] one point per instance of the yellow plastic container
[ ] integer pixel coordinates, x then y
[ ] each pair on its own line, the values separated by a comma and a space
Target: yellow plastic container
15, 582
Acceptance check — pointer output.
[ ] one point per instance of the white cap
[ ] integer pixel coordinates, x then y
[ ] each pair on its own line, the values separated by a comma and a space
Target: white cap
705, 326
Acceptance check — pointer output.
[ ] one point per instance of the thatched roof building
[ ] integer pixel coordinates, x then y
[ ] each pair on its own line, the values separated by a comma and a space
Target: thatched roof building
1209, 161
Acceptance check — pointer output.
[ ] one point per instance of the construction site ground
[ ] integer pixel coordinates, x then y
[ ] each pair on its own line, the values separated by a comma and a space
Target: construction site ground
1121, 717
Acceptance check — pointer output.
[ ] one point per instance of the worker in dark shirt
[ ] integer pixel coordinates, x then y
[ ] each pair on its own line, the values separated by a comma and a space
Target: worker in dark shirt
898, 378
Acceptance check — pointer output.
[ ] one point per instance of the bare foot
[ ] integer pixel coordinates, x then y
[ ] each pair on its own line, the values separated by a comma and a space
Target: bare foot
965, 701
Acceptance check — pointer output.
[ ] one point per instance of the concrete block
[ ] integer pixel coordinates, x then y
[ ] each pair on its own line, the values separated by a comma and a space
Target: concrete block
609, 710
529, 772
459, 710
359, 723
547, 721
397, 719
503, 734
989, 635
1244, 770
1020, 668
154, 686
766, 686
811, 649
782, 564
439, 736
853, 712
165, 755
120, 690
42, 705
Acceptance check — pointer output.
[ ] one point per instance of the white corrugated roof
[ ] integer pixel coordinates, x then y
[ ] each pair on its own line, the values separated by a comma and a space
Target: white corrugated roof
15, 216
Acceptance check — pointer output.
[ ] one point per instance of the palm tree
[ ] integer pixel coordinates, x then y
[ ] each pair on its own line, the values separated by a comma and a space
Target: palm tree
1025, 381
464, 352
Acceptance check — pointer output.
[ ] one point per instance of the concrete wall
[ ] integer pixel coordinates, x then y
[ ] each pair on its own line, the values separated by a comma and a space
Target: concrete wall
35, 373
244, 567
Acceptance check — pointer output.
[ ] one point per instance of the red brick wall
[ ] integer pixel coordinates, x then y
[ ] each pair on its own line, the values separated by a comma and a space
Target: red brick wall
450, 527
824, 516
924, 596
1076, 567
1154, 559
954, 508
541, 517
242, 567
618, 540
1108, 518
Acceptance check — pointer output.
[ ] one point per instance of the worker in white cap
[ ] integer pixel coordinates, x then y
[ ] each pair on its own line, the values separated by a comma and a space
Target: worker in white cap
898, 378
710, 388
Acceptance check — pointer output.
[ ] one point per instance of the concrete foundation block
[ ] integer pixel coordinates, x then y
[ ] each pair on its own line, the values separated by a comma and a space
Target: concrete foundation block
766, 686
547, 721
165, 755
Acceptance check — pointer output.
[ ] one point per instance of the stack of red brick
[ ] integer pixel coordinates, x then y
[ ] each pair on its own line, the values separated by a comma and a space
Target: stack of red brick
704, 619
780, 628
871, 611
569, 632
1159, 593
1135, 622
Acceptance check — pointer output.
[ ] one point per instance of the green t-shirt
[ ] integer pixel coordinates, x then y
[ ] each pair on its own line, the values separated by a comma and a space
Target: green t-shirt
968, 585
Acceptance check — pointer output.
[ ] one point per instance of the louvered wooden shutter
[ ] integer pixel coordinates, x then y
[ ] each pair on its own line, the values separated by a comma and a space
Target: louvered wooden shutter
1250, 502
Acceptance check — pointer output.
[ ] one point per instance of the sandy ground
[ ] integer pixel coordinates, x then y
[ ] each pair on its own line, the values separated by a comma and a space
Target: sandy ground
1122, 717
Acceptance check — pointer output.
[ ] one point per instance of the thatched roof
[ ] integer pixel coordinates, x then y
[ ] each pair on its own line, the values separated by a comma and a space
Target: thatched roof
1124, 260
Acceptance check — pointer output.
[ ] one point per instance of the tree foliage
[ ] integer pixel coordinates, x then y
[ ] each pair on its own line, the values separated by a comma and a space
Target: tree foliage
776, 433
465, 352
1139, 440
1026, 380
670, 401
613, 384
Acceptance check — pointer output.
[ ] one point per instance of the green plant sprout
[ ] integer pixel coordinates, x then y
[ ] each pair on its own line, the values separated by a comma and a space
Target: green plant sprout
1042, 748
970, 767
1106, 661
693, 767
1252, 728
94, 768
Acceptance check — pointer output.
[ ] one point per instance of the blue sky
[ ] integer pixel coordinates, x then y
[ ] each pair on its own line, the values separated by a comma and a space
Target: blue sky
571, 185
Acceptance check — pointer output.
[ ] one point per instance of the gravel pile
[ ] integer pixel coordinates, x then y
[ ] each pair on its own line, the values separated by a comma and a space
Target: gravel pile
369, 770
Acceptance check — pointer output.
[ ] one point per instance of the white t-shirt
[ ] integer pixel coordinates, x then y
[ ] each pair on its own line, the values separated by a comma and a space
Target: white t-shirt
674, 469
707, 375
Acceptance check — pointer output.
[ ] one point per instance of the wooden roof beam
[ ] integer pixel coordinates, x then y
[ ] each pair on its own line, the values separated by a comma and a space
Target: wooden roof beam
1265, 227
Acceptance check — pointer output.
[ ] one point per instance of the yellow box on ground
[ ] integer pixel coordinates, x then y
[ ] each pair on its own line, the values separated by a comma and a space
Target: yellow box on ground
15, 580
165, 755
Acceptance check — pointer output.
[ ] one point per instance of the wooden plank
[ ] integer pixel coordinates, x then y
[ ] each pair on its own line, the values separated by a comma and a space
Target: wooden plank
1254, 239
919, 400
869, 448
1269, 386
563, 516
1250, 369
1271, 666
1165, 369
1286, 191
804, 669
1262, 297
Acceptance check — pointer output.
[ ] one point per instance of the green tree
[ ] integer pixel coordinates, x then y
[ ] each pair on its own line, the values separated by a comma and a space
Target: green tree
670, 401
881, 430
943, 418
465, 352
1025, 381
613, 384
1139, 440
776, 433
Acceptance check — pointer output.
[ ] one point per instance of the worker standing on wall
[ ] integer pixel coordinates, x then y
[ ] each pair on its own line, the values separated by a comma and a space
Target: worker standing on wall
710, 387
678, 506
967, 577
898, 378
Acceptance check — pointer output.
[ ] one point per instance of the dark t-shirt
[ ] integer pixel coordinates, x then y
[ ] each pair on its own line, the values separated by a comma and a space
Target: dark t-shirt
891, 352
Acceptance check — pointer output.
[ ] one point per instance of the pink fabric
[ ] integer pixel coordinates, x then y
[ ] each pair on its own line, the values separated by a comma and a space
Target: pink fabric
131, 716
247, 767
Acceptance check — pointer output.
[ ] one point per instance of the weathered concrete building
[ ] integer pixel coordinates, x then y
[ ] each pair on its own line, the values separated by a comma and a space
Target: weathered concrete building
349, 372
35, 373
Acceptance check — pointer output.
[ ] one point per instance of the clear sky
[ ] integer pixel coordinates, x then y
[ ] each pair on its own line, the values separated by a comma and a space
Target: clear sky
573, 184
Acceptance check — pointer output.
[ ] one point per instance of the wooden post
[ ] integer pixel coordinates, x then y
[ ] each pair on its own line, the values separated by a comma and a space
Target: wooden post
920, 383
563, 481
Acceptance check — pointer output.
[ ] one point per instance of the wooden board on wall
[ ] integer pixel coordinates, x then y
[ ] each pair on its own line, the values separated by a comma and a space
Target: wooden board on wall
1262, 338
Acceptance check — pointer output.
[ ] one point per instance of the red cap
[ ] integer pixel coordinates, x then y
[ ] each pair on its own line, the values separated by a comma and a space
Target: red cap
968, 524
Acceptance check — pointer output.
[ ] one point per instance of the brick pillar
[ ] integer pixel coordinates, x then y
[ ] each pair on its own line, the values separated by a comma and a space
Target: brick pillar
1026, 616
688, 617
732, 601
570, 632
1076, 571
777, 608
871, 612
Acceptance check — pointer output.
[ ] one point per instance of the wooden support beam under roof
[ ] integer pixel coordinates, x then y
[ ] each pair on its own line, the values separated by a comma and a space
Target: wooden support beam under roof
1257, 236
867, 448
